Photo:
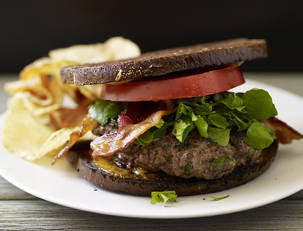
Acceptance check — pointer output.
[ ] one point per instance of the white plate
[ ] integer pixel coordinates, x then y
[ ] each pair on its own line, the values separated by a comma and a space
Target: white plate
60, 184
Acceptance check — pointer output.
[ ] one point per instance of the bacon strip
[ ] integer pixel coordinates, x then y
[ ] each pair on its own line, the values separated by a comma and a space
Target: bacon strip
285, 134
88, 124
108, 144
139, 111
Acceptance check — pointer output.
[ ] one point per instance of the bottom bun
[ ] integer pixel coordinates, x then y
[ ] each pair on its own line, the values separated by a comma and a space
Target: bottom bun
105, 174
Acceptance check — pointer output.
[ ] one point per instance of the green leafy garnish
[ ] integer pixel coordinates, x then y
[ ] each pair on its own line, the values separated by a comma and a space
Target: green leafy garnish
154, 134
233, 101
183, 110
182, 128
258, 136
201, 125
218, 120
219, 135
259, 104
218, 116
103, 110
163, 197
222, 159
214, 198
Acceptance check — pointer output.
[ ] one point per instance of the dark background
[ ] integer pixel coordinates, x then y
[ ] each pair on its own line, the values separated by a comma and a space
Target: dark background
29, 29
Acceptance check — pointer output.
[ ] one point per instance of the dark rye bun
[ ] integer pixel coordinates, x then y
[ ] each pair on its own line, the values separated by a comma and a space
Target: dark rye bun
116, 179
202, 57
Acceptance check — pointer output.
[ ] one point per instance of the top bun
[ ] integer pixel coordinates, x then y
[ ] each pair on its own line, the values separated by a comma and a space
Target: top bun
202, 57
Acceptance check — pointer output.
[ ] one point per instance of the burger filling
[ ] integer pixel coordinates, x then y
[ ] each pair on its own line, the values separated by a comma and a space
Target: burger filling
204, 137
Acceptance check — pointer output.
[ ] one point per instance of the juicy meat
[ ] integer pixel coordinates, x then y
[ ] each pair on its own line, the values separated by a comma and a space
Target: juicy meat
198, 157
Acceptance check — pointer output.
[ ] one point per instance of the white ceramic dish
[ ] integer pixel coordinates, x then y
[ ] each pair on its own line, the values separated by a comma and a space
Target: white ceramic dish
60, 184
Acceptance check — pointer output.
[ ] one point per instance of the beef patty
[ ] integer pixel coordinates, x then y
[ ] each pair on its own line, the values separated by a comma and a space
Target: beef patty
197, 157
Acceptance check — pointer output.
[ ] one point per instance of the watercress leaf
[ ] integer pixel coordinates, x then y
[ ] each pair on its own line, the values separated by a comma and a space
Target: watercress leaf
239, 122
258, 136
163, 197
103, 110
154, 134
183, 109
146, 138
201, 125
202, 109
259, 104
159, 133
160, 124
219, 135
233, 101
218, 120
182, 128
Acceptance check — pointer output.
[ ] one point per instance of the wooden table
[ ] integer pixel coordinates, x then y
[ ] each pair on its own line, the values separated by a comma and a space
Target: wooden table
21, 211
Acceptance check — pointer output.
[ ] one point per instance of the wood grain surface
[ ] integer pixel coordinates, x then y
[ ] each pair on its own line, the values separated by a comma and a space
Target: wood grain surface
21, 211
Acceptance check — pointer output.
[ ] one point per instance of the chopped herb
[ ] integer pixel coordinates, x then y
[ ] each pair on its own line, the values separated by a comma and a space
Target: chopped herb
168, 158
187, 168
163, 197
214, 198
222, 159
219, 163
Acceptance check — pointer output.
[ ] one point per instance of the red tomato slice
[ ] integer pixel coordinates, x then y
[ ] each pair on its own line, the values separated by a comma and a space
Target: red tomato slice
192, 85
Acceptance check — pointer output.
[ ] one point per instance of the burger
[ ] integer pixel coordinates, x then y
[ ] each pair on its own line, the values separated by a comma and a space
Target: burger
167, 121
164, 123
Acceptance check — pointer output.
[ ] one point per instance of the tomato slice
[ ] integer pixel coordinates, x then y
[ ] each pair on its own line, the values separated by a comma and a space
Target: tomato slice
187, 86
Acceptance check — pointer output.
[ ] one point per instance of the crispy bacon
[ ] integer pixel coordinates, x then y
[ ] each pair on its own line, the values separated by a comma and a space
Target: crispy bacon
124, 120
139, 111
88, 124
285, 134
110, 143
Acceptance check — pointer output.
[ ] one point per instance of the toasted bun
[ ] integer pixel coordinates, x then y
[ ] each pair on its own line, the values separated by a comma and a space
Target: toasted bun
114, 178
203, 57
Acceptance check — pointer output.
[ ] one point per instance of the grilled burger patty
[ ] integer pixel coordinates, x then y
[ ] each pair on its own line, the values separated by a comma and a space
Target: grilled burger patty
197, 157
109, 176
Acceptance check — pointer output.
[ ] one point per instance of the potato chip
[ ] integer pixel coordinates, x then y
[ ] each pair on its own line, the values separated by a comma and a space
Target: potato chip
120, 48
55, 142
112, 49
40, 94
22, 133
92, 91
68, 117
36, 89
25, 135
